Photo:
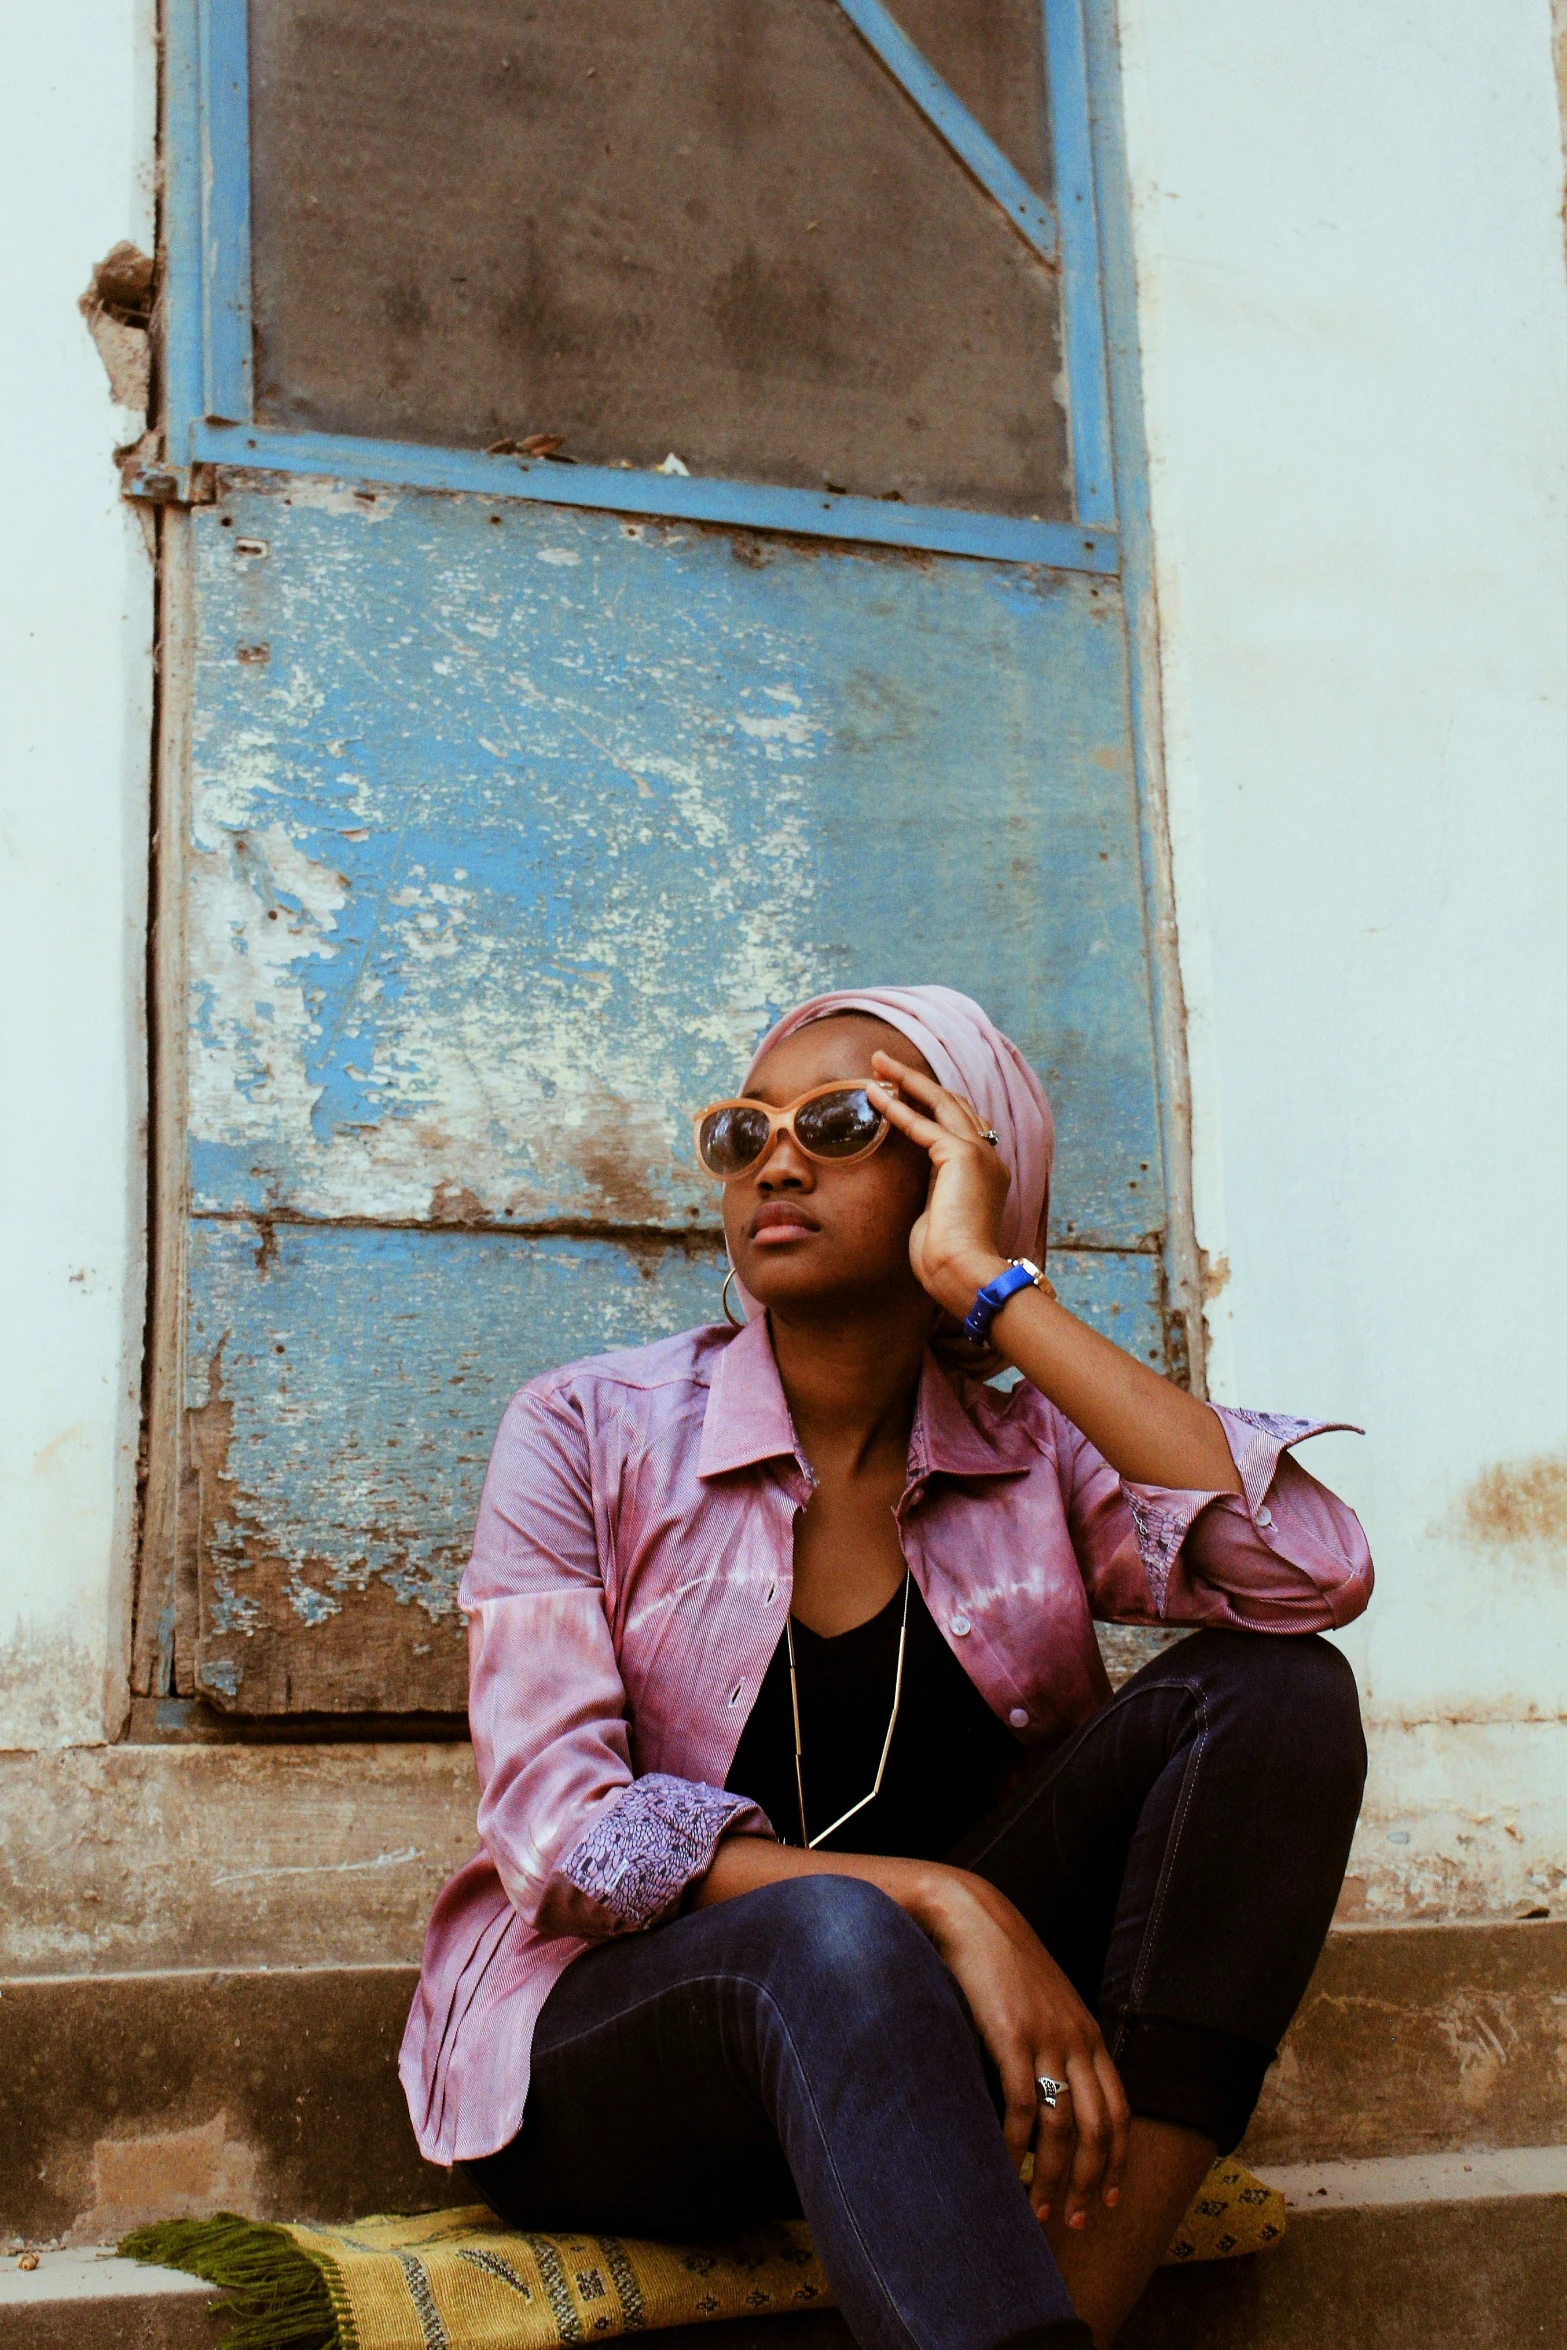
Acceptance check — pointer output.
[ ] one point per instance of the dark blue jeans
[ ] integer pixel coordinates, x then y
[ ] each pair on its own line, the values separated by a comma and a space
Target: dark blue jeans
803, 2047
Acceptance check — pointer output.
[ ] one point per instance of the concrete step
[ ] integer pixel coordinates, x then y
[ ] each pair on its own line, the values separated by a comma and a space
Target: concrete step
1420, 2039
152, 2096
1452, 2252
1448, 2252
89, 2300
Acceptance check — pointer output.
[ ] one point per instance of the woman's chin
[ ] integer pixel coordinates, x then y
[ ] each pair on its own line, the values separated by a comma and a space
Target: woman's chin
770, 1279
788, 1276
799, 1281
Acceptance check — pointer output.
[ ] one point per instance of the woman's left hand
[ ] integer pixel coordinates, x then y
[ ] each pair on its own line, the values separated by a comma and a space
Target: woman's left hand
954, 1246
1147, 1428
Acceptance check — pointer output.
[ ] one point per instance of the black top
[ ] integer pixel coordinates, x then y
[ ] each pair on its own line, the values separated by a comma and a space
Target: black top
951, 1758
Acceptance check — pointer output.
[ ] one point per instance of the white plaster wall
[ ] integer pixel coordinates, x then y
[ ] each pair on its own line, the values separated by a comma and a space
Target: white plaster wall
1353, 309
75, 688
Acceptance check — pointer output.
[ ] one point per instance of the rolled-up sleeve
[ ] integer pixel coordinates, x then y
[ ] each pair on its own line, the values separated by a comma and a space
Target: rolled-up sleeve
581, 1845
1282, 1555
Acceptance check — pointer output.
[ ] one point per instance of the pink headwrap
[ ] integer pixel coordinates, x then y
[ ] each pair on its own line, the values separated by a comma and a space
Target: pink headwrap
971, 1057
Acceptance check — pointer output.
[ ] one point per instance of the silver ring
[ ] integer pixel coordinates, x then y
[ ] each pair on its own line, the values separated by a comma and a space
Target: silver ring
1050, 2091
989, 1134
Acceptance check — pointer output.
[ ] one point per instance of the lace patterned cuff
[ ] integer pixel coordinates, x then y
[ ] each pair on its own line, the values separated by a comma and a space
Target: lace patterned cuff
1160, 1532
644, 1848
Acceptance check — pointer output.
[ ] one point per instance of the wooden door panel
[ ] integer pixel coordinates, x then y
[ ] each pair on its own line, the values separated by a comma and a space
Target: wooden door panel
511, 827
343, 1385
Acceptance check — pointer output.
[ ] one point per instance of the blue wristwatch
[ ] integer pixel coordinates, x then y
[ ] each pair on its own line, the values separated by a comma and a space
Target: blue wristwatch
1019, 1274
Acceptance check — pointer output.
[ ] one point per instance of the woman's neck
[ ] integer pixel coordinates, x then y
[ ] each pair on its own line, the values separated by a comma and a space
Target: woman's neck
852, 1382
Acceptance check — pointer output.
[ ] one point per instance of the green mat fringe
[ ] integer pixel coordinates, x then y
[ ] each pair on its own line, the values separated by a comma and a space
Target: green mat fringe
278, 2293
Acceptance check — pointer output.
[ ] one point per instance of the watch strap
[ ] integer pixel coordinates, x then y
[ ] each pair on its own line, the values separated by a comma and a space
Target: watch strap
990, 1299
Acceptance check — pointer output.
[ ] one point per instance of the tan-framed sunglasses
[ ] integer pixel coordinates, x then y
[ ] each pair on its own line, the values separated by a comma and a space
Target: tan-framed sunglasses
835, 1124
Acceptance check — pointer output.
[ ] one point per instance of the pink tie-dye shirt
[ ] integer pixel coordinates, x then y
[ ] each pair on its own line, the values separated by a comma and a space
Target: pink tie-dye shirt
631, 1573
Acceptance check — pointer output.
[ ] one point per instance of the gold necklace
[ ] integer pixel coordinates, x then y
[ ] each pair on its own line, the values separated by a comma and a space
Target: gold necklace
809, 1841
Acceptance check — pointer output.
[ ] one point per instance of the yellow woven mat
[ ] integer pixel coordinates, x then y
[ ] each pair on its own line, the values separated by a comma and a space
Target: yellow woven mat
459, 2278
1233, 2213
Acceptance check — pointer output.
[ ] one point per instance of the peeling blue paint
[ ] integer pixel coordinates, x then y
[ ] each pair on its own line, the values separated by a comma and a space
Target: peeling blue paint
528, 827
357, 1377
221, 1675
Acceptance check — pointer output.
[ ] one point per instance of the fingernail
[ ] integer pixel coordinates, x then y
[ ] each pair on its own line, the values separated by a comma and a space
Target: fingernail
1112, 2197
1079, 2219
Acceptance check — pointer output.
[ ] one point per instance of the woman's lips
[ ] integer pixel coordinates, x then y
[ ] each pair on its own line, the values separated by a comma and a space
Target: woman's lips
773, 1225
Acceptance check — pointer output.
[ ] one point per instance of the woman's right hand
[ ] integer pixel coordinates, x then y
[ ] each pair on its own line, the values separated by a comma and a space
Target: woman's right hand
1032, 2022
1028, 2014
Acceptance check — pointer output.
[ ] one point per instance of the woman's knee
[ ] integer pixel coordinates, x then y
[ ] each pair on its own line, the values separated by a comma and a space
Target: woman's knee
1314, 1683
842, 1941
1294, 1695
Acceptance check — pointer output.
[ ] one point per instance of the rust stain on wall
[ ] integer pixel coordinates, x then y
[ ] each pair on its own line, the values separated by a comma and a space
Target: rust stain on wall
616, 1149
1519, 1501
454, 1203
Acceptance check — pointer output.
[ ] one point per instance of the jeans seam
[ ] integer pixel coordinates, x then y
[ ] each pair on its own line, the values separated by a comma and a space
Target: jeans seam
1046, 1782
1171, 1853
689, 1982
843, 2196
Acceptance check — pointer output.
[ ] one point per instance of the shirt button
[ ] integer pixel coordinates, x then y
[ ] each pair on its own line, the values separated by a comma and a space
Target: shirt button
1018, 1718
1264, 1516
960, 1627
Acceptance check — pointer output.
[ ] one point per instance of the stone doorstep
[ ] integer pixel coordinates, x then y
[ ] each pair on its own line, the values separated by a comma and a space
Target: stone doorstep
1474, 2175
133, 2097
1422, 2039
90, 2300
1446, 2252
95, 2273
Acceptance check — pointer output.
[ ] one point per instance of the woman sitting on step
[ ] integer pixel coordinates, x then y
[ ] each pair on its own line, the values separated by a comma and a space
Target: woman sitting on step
820, 1869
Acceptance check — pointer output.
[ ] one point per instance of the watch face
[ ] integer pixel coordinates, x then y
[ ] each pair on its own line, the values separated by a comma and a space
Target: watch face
1027, 1265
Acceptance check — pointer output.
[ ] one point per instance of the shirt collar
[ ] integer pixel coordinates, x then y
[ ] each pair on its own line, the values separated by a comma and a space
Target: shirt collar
747, 1418
945, 1439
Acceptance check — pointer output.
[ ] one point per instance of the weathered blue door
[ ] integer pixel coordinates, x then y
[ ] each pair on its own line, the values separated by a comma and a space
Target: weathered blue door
507, 798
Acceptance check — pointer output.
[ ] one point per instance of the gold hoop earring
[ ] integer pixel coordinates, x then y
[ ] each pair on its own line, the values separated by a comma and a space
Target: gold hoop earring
735, 1321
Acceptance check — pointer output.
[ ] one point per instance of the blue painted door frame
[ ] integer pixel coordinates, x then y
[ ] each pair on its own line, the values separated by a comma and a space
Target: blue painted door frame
209, 391
504, 803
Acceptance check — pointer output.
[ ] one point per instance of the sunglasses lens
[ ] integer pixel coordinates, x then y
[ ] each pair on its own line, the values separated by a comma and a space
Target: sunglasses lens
839, 1125
732, 1139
